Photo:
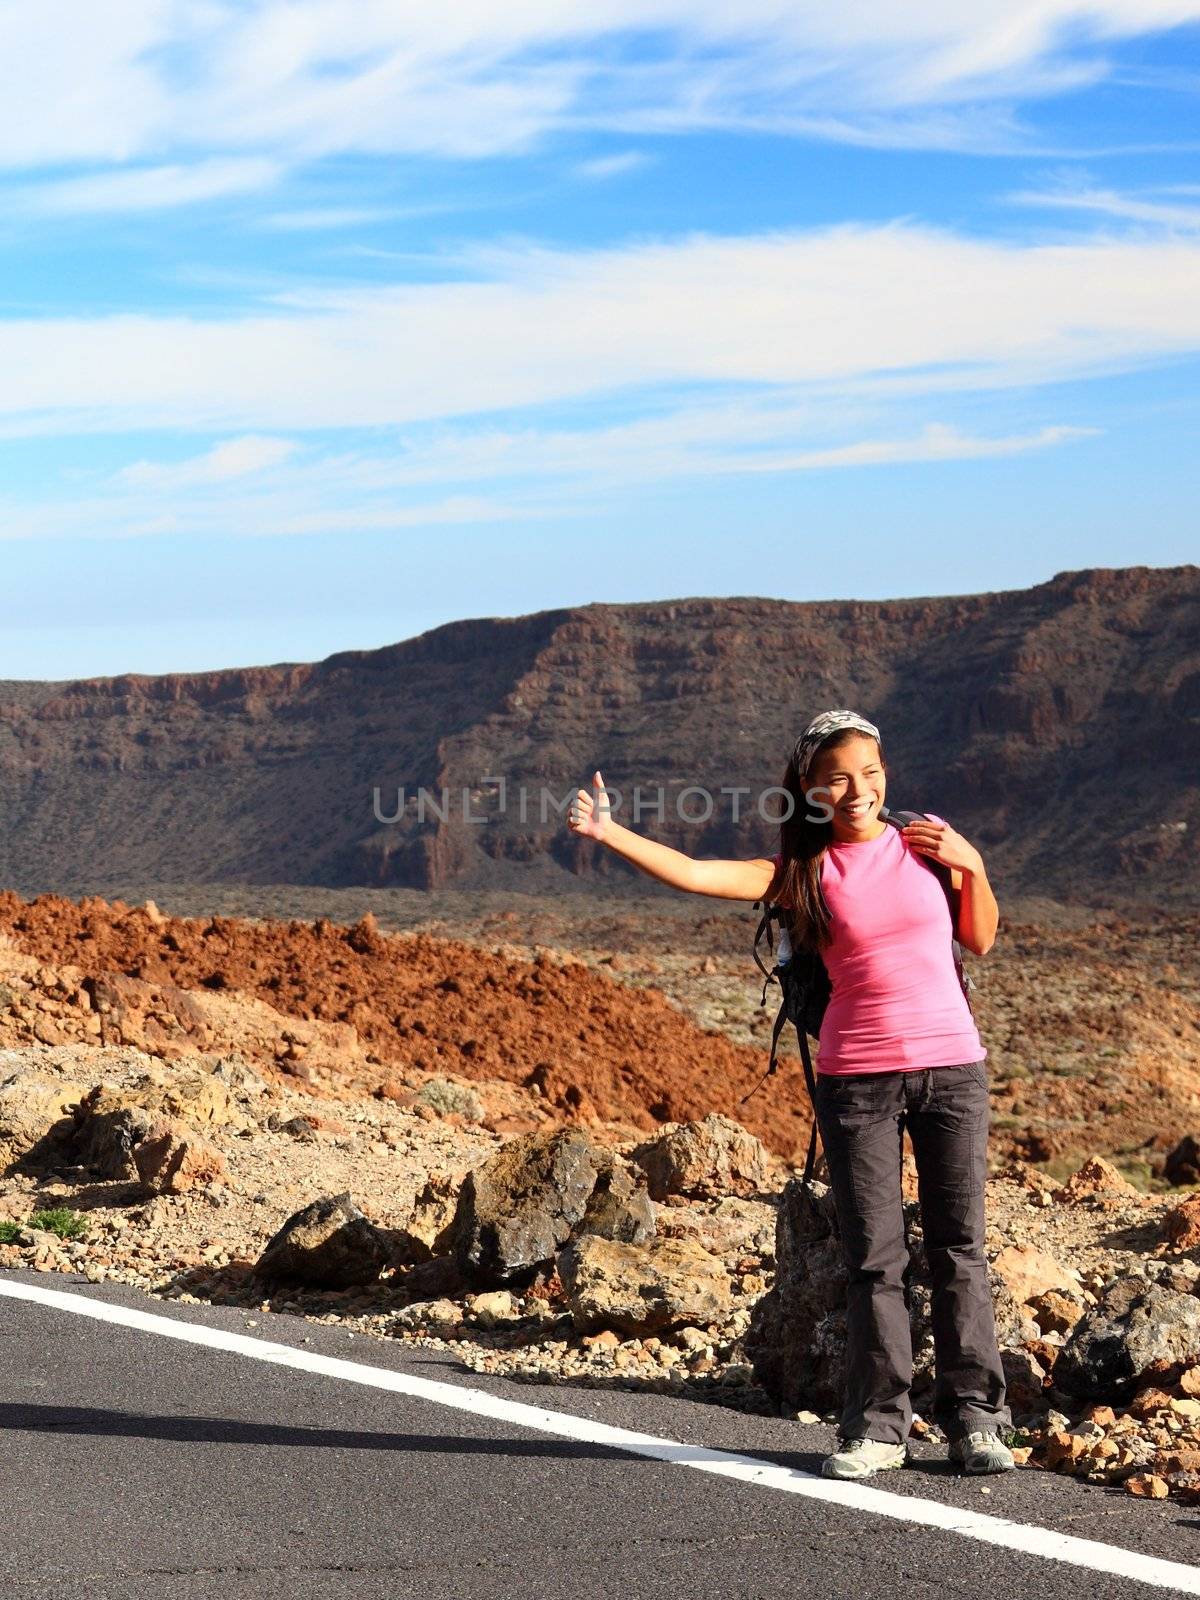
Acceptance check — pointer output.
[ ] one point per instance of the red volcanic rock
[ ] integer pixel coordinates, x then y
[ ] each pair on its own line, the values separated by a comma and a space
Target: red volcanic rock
1182, 1225
374, 1009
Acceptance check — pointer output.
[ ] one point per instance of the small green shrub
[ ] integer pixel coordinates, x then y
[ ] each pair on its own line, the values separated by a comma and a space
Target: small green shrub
67, 1224
446, 1096
1138, 1171
1060, 1168
10, 1232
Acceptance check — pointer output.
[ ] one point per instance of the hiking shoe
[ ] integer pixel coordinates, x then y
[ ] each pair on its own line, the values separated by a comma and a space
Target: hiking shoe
859, 1458
982, 1451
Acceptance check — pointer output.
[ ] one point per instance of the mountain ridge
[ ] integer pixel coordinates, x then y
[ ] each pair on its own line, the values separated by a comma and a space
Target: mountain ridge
1058, 727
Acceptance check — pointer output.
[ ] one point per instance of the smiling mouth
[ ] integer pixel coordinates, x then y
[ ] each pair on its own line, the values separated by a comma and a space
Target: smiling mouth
859, 809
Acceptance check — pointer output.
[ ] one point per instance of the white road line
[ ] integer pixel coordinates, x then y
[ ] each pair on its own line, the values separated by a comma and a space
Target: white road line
1026, 1537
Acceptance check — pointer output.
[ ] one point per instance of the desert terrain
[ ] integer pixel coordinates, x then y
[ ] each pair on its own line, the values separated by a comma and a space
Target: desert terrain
262, 1105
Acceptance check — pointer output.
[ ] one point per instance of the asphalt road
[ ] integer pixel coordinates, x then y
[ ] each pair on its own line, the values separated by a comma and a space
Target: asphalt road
137, 1466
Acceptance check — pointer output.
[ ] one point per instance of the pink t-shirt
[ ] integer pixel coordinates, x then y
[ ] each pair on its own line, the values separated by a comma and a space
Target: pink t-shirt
896, 1002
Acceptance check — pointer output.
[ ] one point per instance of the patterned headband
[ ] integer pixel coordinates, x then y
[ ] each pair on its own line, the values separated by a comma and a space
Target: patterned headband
820, 728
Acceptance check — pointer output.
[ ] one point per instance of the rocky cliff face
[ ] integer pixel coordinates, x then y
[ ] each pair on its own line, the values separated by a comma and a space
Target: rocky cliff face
1057, 727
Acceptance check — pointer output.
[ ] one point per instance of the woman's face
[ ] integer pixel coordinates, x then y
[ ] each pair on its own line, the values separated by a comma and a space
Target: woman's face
851, 780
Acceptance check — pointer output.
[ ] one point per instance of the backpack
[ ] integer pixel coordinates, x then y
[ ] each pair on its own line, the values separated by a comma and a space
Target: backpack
805, 984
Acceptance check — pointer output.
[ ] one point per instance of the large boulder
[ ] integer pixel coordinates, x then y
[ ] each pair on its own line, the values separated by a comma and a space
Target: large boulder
642, 1289
172, 1158
524, 1202
330, 1244
108, 1123
429, 1230
796, 1341
706, 1159
112, 1119
1136, 1330
32, 1103
1182, 1163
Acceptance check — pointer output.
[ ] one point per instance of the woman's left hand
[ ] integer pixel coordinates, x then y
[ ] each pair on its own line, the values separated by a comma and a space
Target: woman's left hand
940, 840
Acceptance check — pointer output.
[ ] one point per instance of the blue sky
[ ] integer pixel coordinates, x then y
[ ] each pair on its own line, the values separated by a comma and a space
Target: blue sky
322, 323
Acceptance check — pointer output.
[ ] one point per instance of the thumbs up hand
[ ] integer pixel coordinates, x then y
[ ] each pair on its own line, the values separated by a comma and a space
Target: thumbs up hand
588, 815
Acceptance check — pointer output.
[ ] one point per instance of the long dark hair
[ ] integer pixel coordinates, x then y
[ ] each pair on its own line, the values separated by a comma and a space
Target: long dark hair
796, 885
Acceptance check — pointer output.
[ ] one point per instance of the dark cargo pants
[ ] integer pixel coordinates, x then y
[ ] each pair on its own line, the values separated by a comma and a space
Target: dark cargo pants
862, 1117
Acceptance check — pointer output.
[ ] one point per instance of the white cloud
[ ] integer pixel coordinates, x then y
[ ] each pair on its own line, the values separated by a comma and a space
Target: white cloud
232, 458
692, 441
147, 188
453, 511
1111, 203
280, 512
317, 219
531, 475
81, 83
862, 308
614, 166
297, 79
937, 442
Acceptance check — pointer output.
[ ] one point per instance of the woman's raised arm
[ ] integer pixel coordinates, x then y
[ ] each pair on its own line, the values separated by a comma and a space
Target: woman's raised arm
726, 880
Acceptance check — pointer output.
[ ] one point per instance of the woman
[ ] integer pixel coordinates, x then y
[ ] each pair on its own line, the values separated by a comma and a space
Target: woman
898, 1048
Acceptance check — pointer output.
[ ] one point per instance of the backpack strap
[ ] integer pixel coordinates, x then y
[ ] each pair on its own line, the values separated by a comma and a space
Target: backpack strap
810, 1159
770, 975
772, 912
809, 1078
954, 896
